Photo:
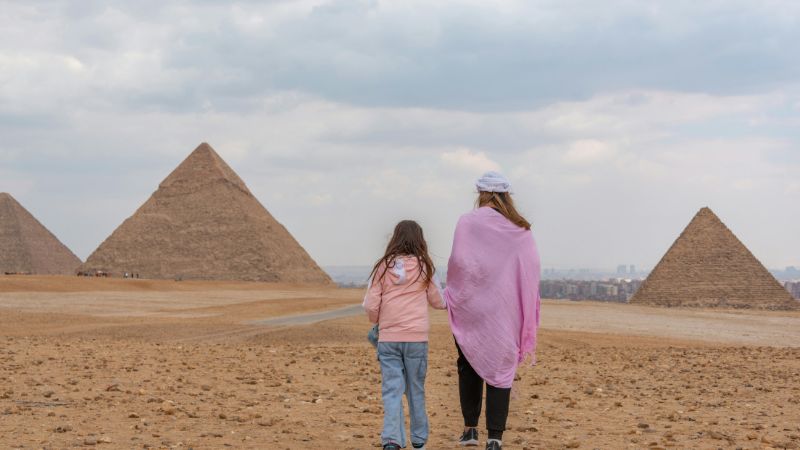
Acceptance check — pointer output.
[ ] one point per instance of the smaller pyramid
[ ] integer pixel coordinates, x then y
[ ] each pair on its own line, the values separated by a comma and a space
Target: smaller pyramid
26, 246
708, 266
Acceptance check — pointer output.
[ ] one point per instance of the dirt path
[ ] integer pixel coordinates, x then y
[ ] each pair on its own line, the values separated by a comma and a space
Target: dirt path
311, 318
279, 306
728, 327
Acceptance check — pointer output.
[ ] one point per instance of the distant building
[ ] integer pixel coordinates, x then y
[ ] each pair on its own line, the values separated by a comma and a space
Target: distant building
571, 291
611, 290
794, 288
632, 270
590, 274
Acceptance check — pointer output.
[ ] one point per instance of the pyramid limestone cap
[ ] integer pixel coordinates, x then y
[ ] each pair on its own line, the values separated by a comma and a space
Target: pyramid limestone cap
5, 197
706, 211
202, 166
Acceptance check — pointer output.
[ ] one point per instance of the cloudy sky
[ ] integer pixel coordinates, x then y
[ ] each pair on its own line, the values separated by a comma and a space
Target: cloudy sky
615, 120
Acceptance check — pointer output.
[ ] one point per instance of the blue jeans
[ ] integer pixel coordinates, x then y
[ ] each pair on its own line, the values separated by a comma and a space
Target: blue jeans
403, 369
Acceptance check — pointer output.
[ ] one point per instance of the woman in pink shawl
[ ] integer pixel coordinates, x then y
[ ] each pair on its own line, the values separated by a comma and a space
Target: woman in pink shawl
492, 296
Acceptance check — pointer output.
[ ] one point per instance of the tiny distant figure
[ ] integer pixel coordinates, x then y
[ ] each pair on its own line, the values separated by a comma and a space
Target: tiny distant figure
493, 302
125, 275
402, 285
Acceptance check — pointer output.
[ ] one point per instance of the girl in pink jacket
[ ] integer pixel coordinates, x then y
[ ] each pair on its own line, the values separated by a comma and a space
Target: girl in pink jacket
402, 286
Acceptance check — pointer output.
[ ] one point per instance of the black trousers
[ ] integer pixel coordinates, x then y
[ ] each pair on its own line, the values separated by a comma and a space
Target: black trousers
470, 389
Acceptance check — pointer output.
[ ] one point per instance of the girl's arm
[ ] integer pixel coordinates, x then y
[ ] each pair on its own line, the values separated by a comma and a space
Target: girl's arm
435, 298
372, 300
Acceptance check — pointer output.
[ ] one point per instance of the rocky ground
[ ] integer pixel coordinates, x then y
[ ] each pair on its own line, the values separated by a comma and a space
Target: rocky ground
205, 379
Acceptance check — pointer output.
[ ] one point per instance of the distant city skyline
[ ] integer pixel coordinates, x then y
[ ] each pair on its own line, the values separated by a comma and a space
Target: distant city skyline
358, 274
615, 121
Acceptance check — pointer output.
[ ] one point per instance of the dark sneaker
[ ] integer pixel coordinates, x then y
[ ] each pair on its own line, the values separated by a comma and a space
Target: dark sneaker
494, 444
391, 446
469, 438
418, 446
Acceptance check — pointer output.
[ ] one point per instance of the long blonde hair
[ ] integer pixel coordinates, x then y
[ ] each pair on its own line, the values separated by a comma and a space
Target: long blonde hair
504, 204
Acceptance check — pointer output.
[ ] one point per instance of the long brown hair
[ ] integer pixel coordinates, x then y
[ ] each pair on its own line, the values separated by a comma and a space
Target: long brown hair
504, 204
406, 240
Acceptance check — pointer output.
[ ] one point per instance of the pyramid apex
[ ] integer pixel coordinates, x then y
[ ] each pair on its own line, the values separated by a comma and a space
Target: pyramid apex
5, 196
204, 148
706, 212
202, 166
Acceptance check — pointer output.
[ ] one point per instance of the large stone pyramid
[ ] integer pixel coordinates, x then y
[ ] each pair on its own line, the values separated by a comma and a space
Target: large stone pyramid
26, 246
204, 224
708, 266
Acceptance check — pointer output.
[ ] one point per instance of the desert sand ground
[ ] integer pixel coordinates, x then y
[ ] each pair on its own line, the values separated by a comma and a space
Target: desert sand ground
143, 364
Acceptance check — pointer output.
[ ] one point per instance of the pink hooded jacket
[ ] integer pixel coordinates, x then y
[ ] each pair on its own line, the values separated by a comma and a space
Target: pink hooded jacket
399, 302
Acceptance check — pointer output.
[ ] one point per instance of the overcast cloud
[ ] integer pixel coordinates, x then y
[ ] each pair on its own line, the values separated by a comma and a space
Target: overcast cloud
616, 120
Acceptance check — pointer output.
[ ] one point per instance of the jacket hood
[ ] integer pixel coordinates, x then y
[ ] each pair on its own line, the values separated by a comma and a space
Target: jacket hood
403, 269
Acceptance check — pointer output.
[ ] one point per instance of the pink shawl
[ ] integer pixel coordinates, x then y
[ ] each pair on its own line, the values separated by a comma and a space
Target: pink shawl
493, 294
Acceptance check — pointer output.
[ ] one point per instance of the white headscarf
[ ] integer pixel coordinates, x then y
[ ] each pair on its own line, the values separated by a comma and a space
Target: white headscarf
493, 182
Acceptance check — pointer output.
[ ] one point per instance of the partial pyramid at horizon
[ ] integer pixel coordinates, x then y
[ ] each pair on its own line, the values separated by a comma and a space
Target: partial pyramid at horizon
27, 247
203, 223
708, 266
